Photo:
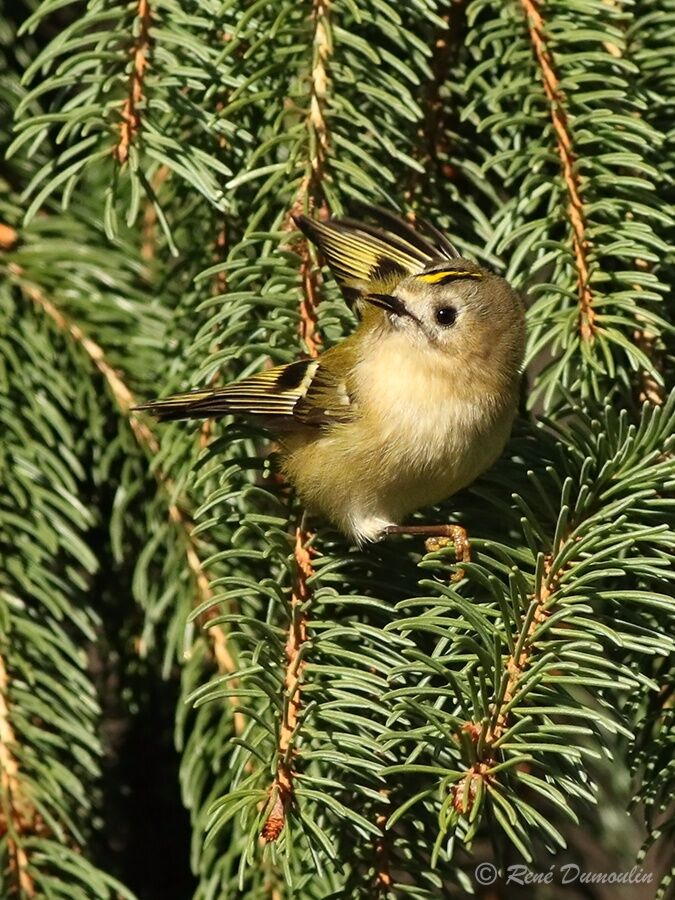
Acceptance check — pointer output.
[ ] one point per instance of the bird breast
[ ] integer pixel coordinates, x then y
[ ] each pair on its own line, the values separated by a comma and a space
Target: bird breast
420, 434
426, 412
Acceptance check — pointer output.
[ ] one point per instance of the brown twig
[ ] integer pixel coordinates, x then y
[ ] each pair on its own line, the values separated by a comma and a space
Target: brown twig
435, 125
125, 401
309, 332
18, 815
131, 121
281, 790
575, 206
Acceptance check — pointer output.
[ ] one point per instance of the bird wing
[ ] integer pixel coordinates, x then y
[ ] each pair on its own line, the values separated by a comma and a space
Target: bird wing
307, 392
374, 258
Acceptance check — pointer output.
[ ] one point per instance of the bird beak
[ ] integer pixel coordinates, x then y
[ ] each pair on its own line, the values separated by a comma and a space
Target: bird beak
388, 302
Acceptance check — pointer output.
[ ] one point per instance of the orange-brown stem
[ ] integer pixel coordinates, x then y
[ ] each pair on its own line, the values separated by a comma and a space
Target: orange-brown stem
516, 665
281, 791
309, 332
575, 205
131, 121
310, 193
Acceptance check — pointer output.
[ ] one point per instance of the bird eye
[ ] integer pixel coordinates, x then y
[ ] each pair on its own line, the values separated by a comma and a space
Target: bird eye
446, 315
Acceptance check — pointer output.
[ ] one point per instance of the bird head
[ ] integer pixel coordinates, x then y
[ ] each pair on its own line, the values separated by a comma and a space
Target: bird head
458, 310
413, 282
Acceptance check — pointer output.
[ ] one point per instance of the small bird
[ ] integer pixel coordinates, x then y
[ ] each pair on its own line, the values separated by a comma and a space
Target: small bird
413, 405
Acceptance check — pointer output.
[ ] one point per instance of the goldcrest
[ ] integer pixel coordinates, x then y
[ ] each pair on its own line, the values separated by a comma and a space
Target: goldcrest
413, 405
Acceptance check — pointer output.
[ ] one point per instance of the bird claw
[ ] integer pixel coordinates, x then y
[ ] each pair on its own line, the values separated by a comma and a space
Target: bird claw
457, 537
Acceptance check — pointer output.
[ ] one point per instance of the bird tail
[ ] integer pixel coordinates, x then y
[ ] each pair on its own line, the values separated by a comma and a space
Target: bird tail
271, 394
200, 404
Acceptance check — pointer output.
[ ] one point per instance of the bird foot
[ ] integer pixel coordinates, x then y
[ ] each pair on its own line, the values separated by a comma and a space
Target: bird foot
438, 537
456, 536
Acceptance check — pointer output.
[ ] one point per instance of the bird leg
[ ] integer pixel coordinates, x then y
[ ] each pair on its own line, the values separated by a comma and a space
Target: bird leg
439, 536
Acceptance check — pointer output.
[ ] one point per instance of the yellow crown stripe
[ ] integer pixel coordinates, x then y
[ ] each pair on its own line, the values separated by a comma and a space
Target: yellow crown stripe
435, 277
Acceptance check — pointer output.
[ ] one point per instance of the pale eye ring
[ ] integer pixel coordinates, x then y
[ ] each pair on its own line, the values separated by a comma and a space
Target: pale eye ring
446, 316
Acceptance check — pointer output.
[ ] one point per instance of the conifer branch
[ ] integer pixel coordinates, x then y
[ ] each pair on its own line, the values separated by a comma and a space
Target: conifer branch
349, 691
131, 120
649, 388
121, 393
517, 663
317, 120
125, 400
281, 788
575, 206
18, 814
310, 194
308, 328
281, 791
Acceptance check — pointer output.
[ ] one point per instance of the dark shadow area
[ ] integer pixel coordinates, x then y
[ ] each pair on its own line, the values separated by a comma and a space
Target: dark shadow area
144, 839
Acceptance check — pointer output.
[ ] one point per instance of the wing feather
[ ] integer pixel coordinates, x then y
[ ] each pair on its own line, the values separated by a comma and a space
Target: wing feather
439, 248
305, 391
